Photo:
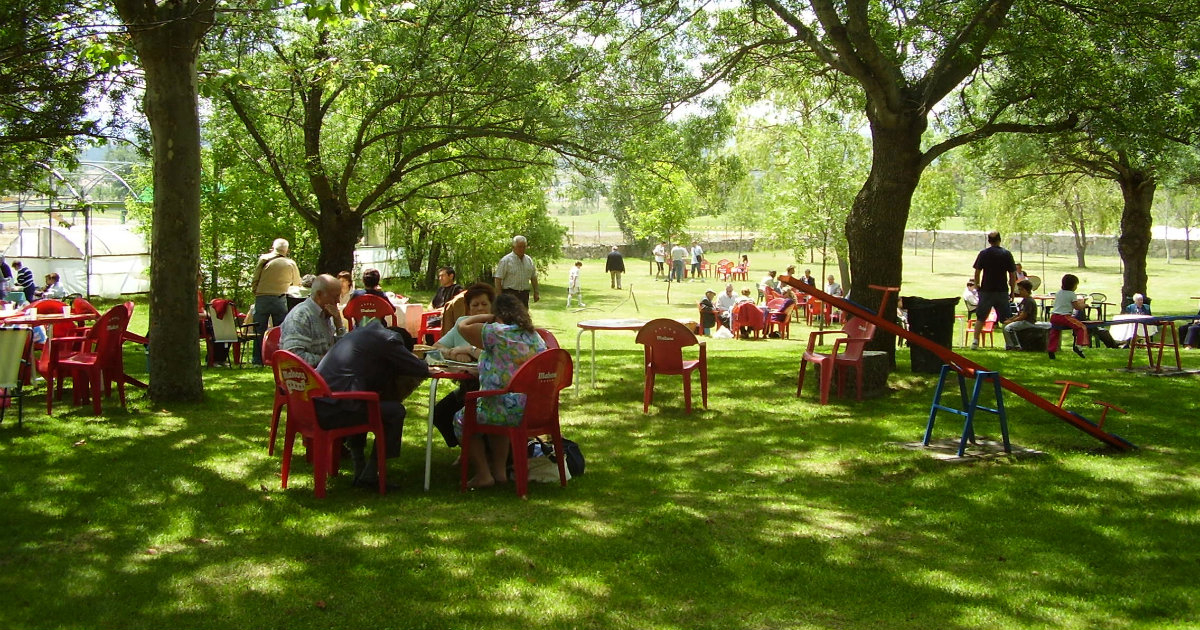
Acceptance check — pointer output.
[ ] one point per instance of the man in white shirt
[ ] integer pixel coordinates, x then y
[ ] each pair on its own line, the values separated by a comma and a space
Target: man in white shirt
970, 297
697, 258
678, 254
832, 287
516, 273
724, 304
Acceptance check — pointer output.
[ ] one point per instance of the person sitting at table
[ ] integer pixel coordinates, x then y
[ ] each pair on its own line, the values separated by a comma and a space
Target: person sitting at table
970, 297
310, 329
1138, 306
52, 289
508, 339
1062, 318
370, 358
370, 278
808, 278
708, 312
347, 282
453, 346
832, 287
768, 281
448, 287
724, 304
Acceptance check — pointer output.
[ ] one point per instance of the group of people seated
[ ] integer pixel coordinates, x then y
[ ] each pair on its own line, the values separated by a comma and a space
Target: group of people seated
18, 279
496, 334
1068, 311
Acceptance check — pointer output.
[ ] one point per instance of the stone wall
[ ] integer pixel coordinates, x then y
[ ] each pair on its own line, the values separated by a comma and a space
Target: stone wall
727, 249
1054, 244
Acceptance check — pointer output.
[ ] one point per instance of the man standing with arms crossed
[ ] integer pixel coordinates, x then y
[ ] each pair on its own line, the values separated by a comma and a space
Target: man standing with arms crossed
998, 271
516, 273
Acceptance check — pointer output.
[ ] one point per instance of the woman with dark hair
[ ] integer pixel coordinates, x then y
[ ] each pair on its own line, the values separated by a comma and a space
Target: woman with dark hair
453, 347
507, 339
347, 282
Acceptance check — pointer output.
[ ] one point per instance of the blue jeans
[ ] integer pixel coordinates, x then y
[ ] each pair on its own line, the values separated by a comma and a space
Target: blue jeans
273, 307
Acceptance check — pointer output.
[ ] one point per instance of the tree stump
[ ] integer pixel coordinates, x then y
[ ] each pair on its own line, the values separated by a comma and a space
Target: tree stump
1033, 339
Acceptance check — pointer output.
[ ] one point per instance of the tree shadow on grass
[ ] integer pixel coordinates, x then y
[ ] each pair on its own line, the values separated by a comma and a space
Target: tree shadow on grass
764, 510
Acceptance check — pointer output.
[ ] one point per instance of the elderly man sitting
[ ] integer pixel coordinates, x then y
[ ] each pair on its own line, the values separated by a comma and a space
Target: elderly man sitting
312, 327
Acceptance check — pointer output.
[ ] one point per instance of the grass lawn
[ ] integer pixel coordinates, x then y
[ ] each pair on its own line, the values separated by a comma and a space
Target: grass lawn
764, 511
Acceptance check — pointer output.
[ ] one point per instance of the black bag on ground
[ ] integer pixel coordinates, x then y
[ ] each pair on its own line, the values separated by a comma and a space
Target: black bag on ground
575, 462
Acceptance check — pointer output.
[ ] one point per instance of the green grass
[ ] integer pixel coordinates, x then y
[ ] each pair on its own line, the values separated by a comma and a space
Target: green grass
764, 511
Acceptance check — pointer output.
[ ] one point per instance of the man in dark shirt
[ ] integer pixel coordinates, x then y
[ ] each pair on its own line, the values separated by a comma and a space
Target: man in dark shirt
998, 270
25, 280
375, 359
708, 312
615, 266
370, 279
448, 287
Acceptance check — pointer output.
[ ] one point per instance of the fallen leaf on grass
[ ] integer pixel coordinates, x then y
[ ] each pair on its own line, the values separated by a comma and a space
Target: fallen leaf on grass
80, 443
320, 604
152, 552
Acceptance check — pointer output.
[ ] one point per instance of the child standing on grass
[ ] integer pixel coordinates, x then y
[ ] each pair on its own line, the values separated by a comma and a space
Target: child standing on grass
1065, 303
573, 284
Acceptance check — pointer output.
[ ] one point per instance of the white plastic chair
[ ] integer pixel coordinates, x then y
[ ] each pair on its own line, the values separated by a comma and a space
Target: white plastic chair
13, 342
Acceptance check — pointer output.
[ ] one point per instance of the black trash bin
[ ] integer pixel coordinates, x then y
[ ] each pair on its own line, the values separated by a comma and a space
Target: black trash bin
932, 319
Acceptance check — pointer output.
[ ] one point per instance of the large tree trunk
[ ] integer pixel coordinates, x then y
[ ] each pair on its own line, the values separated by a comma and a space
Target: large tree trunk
875, 227
338, 234
1137, 189
167, 39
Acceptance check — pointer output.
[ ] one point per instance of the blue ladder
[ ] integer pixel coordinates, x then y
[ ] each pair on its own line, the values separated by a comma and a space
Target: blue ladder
970, 406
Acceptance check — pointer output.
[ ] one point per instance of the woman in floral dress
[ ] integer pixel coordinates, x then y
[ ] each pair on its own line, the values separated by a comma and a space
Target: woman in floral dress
507, 339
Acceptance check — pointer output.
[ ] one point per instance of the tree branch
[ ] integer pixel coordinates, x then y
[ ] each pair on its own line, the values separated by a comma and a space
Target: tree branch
991, 129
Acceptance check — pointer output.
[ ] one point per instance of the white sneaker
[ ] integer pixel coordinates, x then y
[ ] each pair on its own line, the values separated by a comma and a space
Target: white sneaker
974, 345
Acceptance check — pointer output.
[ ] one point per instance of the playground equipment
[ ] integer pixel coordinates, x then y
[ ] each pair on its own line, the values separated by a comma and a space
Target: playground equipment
963, 366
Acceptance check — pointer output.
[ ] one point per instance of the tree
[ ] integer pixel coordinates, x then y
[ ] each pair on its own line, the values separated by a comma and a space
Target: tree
54, 72
167, 39
810, 161
909, 61
362, 117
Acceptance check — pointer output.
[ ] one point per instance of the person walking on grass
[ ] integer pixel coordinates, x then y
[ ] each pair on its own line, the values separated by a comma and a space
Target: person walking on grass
573, 284
1061, 318
615, 266
996, 277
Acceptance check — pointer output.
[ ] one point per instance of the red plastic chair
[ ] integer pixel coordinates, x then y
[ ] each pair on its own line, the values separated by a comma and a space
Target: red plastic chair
133, 338
426, 329
664, 341
779, 316
303, 384
270, 345
540, 379
747, 315
855, 335
83, 307
368, 306
548, 337
987, 335
99, 359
